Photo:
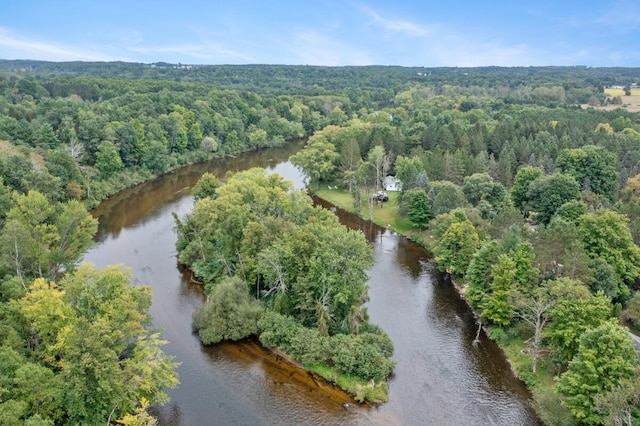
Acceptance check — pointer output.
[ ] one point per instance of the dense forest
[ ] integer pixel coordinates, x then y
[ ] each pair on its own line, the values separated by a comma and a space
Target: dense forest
525, 188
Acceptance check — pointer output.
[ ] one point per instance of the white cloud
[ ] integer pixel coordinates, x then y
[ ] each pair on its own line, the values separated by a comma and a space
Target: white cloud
396, 26
18, 47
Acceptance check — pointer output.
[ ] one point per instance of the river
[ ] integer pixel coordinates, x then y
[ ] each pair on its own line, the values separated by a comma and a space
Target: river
441, 377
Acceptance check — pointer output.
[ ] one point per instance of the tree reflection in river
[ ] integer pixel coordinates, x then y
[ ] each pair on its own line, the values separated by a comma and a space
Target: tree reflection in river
441, 377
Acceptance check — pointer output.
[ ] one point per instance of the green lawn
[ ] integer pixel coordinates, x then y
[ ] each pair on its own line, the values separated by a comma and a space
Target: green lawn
388, 215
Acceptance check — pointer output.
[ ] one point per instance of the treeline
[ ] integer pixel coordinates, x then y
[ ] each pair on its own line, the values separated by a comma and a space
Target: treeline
320, 80
276, 267
85, 138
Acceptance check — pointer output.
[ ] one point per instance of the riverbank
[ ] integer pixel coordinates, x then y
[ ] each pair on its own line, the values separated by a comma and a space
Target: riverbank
514, 350
289, 370
439, 375
101, 190
386, 214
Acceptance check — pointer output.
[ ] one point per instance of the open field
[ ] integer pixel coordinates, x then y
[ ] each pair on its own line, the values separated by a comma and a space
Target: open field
620, 92
630, 103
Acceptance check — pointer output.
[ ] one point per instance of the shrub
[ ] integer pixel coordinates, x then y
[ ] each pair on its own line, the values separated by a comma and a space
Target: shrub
230, 313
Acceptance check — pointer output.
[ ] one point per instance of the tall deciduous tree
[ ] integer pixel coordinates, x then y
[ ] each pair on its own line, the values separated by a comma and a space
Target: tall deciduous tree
44, 240
317, 159
206, 187
377, 159
572, 317
456, 247
605, 234
411, 173
604, 357
229, 314
419, 209
592, 166
87, 338
495, 306
108, 160
521, 183
350, 161
621, 406
547, 193
445, 196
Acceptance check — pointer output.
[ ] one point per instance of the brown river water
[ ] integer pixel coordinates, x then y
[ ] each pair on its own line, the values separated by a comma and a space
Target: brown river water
441, 377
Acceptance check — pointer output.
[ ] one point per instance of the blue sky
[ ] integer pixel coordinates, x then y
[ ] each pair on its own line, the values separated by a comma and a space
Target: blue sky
325, 32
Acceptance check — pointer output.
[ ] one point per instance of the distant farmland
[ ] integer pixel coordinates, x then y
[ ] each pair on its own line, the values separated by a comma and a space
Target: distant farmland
620, 92
630, 103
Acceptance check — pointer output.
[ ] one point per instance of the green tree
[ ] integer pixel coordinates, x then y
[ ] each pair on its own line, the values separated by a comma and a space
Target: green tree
478, 277
378, 159
75, 229
520, 187
257, 137
477, 187
333, 287
350, 161
605, 234
205, 187
547, 193
445, 196
559, 251
572, 210
604, 279
5, 201
593, 167
410, 172
42, 239
43, 182
109, 360
229, 314
621, 406
317, 159
604, 357
156, 158
419, 209
45, 137
41, 389
457, 247
366, 178
108, 160
28, 234
60, 164
574, 315
495, 306
175, 129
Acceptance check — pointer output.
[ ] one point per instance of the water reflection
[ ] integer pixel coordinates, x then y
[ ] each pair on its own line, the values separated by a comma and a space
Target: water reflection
441, 377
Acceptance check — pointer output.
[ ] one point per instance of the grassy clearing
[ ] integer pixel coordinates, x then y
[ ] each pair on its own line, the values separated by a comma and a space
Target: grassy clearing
387, 215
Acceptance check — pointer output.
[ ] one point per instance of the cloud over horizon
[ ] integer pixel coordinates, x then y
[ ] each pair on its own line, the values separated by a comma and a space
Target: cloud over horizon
327, 32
